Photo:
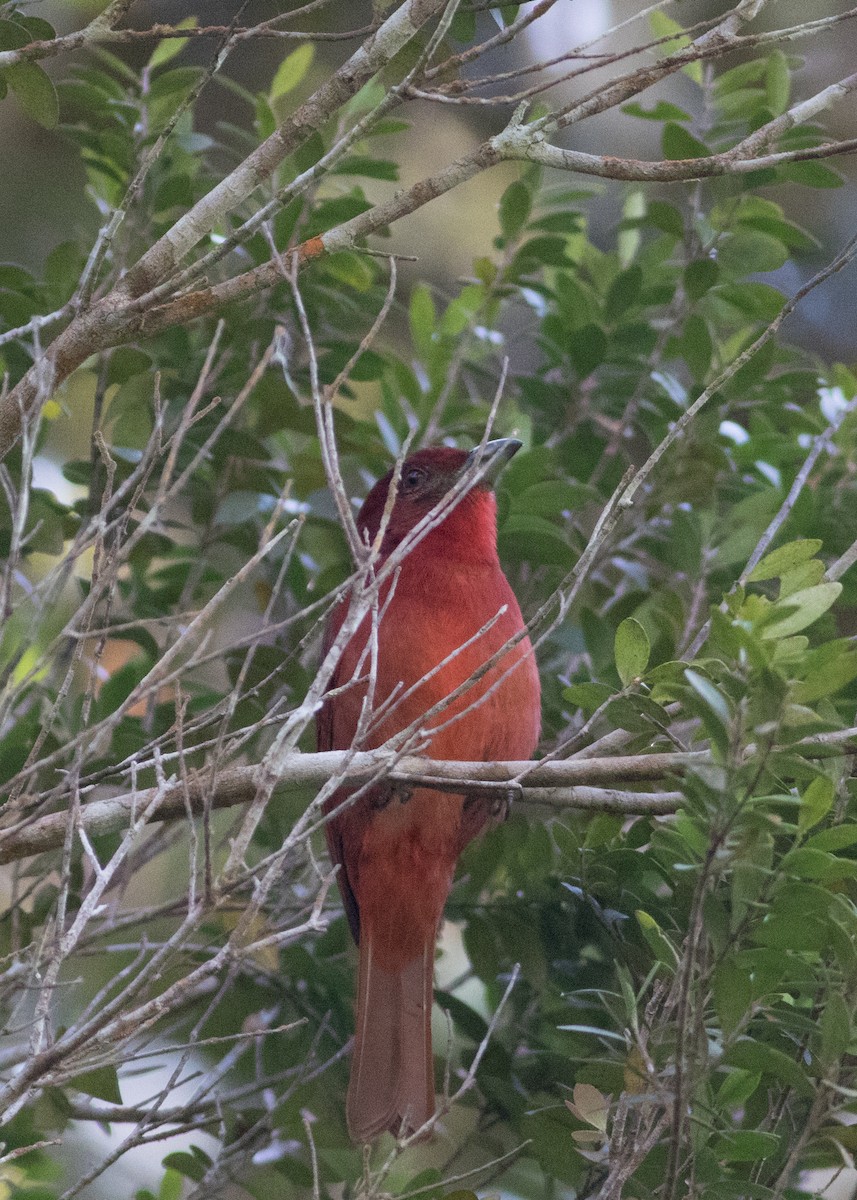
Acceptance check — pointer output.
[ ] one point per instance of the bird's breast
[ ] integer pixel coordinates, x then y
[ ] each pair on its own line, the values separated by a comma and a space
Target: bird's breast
438, 629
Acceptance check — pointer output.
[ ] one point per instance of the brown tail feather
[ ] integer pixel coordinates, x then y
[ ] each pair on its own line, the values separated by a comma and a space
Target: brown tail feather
392, 1076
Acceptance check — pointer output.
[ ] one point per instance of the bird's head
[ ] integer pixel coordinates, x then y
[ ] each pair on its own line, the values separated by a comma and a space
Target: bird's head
429, 475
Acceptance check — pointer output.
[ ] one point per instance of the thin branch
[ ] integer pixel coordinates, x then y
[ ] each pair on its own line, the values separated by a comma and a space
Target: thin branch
843, 563
671, 170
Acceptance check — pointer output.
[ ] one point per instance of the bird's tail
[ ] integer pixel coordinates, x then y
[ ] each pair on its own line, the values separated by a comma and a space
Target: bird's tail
392, 1076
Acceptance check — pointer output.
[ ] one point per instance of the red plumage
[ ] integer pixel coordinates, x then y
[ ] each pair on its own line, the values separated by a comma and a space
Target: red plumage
397, 854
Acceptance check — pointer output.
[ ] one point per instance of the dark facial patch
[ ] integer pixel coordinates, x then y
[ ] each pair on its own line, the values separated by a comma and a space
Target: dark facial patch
426, 478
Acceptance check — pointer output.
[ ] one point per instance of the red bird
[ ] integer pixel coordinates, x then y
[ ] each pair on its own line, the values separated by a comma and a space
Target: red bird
397, 853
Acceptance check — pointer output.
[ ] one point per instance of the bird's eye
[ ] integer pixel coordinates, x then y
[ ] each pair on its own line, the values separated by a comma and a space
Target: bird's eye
412, 479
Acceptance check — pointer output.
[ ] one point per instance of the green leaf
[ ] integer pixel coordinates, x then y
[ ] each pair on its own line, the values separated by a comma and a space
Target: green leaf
784, 558
308, 154
737, 1088
125, 363
696, 346
660, 945
540, 251
733, 994
745, 1145
777, 83
480, 942
757, 300
700, 276
799, 578
811, 174
560, 222
835, 1029
801, 610
240, 506
171, 1186
386, 128
665, 217
552, 1147
170, 47
787, 232
175, 192
460, 311
663, 26
808, 863
637, 714
588, 696
515, 206
586, 349
815, 803
631, 650
744, 104
423, 319
368, 168
602, 830
291, 71
13, 35
677, 143
471, 1023
528, 538
38, 28
35, 93
623, 292
121, 683
662, 111
553, 498
768, 1060
749, 250
351, 269
740, 77
102, 1083
185, 1164
44, 523
837, 838
793, 936
463, 27
708, 693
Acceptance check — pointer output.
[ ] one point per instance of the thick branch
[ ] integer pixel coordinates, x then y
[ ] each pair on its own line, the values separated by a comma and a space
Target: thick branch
550, 782
569, 784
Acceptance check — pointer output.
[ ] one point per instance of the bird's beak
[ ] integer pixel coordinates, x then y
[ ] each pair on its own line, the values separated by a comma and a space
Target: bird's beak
491, 459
